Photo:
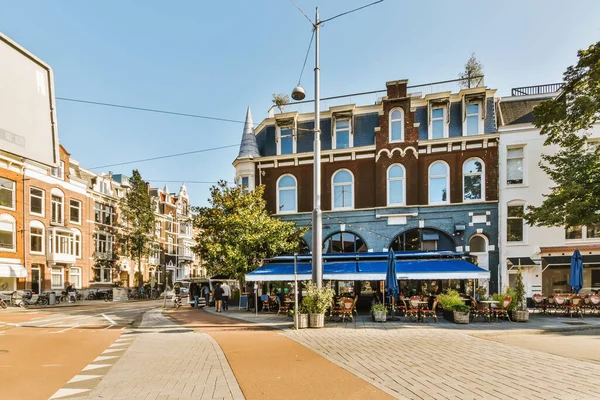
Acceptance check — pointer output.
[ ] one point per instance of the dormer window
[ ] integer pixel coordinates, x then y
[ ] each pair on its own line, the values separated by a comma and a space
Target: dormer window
438, 126
473, 124
397, 125
58, 172
342, 134
286, 142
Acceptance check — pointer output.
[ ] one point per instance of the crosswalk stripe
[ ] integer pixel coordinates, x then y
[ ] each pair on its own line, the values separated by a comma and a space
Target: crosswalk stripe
64, 392
104, 358
79, 378
95, 366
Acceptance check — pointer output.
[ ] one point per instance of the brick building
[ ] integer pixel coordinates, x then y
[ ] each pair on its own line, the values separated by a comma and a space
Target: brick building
415, 171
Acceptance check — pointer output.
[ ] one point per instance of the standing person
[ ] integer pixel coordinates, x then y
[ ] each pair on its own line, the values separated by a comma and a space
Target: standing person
218, 295
71, 293
206, 294
192, 292
226, 295
196, 293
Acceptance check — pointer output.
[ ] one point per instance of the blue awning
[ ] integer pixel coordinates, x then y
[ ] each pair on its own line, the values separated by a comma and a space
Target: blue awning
367, 270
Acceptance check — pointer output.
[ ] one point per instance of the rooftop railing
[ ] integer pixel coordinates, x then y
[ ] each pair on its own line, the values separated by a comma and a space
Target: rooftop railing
538, 89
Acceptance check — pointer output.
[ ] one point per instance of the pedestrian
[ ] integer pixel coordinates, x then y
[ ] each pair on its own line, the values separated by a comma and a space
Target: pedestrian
218, 295
226, 295
206, 294
196, 294
71, 293
191, 291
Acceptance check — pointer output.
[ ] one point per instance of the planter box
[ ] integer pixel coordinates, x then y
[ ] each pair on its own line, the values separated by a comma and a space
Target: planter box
379, 316
302, 321
461, 317
119, 294
316, 320
520, 315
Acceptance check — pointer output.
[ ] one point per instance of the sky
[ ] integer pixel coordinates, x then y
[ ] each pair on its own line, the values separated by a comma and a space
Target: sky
217, 58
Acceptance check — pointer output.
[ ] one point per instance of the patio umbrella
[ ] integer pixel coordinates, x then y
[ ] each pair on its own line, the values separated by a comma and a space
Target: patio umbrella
576, 277
391, 280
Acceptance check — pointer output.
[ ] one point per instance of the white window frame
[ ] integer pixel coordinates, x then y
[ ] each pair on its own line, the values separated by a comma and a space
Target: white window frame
403, 179
584, 235
333, 185
43, 199
9, 219
59, 172
170, 245
57, 193
75, 271
102, 268
393, 121
13, 191
444, 119
429, 177
480, 121
295, 189
335, 131
482, 174
79, 208
294, 141
103, 211
62, 277
524, 158
515, 203
77, 243
37, 225
108, 243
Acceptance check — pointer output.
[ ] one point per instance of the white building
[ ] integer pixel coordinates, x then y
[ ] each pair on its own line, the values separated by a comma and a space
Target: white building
543, 253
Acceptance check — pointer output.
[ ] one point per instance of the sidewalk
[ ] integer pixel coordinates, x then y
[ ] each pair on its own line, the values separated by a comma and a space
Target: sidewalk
166, 361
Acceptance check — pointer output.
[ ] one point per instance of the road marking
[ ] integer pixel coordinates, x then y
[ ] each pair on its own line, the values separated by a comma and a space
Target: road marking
108, 327
118, 344
67, 392
79, 378
104, 358
66, 329
51, 365
109, 319
95, 366
111, 351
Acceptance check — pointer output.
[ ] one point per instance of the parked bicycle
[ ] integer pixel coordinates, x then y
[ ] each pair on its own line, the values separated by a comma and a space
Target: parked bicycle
108, 296
177, 301
27, 300
3, 304
96, 294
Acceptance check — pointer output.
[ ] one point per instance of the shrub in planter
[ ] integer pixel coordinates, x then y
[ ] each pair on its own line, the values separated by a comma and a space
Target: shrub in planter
316, 303
379, 312
460, 314
449, 302
520, 313
302, 317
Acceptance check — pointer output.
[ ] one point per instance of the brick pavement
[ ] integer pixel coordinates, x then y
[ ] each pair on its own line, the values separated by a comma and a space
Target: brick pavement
444, 364
168, 362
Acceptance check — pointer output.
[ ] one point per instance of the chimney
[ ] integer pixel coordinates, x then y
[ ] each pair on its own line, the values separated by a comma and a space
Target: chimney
396, 89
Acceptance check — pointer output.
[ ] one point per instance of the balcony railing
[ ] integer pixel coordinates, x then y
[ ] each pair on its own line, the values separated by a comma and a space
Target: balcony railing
539, 89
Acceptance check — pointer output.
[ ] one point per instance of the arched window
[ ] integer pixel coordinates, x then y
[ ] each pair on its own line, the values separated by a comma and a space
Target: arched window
397, 125
287, 201
344, 242
439, 183
426, 239
343, 190
36, 237
473, 180
8, 232
76, 243
395, 185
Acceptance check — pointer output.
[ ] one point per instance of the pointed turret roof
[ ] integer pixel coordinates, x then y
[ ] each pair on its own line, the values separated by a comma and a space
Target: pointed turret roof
248, 147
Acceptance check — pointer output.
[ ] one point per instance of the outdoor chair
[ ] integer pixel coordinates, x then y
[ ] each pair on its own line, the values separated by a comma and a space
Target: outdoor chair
346, 309
595, 301
266, 305
538, 302
432, 312
574, 307
401, 307
354, 310
335, 310
282, 307
551, 306
502, 311
586, 304
559, 303
478, 311
413, 308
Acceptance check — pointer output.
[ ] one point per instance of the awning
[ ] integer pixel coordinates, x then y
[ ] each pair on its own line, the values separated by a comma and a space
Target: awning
373, 270
566, 260
12, 271
524, 261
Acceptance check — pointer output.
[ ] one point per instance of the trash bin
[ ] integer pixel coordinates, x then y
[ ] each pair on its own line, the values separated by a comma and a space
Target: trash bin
51, 298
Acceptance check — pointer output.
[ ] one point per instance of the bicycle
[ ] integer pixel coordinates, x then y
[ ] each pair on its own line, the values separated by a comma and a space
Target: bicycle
108, 296
3, 304
177, 301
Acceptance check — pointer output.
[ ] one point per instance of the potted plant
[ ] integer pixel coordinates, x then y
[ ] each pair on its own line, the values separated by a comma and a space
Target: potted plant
519, 312
302, 317
316, 301
455, 309
379, 312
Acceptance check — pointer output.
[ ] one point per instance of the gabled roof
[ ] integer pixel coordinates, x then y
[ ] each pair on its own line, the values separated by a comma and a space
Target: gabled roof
248, 146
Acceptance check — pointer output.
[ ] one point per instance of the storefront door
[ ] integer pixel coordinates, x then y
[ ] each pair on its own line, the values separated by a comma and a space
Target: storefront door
35, 280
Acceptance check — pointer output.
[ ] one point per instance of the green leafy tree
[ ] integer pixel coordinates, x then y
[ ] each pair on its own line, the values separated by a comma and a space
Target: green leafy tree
280, 101
472, 76
236, 233
137, 221
575, 167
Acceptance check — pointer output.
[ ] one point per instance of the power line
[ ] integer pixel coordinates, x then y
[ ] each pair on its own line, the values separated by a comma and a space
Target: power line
299, 9
180, 181
306, 57
167, 156
97, 103
351, 11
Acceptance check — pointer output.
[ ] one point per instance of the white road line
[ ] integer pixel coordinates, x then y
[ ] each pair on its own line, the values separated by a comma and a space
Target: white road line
67, 392
108, 327
112, 351
104, 358
66, 329
95, 366
109, 319
79, 378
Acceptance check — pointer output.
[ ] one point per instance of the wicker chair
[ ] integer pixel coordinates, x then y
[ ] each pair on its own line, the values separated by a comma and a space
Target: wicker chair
432, 312
266, 303
412, 310
559, 303
401, 307
477, 311
282, 307
538, 302
574, 307
595, 302
502, 311
346, 309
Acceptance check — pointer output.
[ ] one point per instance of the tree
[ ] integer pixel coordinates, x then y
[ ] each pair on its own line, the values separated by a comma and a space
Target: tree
472, 76
138, 221
280, 100
575, 167
236, 233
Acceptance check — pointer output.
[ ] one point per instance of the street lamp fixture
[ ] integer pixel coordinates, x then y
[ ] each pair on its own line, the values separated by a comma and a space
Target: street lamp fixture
298, 93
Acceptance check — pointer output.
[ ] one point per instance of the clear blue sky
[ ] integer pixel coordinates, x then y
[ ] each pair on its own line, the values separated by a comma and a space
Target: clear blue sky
216, 58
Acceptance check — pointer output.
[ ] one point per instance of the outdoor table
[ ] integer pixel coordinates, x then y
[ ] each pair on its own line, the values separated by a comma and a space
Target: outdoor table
489, 302
422, 303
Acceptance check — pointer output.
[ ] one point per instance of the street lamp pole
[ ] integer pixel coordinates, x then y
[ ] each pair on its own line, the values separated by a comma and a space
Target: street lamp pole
317, 218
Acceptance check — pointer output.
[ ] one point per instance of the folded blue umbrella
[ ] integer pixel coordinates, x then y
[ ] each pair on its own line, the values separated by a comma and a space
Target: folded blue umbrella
576, 276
